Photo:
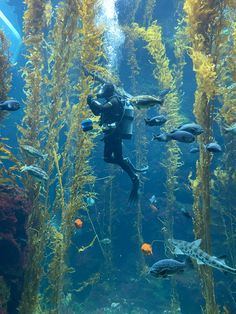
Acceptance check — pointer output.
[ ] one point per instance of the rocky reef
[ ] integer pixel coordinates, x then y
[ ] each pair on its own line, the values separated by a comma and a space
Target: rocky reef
14, 211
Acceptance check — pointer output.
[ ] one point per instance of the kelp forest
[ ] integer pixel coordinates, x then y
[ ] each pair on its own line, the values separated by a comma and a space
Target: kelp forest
70, 243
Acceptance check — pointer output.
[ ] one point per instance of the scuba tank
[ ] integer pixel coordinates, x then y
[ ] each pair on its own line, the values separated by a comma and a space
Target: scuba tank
126, 122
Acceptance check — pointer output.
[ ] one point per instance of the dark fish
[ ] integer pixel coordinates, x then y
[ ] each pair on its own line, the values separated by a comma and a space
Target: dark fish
192, 128
213, 147
182, 136
9, 105
163, 137
169, 267
156, 121
185, 213
194, 150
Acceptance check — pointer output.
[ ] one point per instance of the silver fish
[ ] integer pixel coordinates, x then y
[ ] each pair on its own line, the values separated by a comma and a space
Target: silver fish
146, 101
36, 172
194, 150
231, 129
169, 267
30, 150
192, 249
105, 241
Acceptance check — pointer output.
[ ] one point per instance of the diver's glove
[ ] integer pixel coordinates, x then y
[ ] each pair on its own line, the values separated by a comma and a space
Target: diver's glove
90, 100
133, 197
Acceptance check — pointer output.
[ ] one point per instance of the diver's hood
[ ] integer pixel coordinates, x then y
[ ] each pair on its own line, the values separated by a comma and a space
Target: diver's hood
106, 91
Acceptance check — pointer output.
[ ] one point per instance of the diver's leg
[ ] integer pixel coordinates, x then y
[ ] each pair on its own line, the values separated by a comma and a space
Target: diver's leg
108, 150
118, 157
126, 159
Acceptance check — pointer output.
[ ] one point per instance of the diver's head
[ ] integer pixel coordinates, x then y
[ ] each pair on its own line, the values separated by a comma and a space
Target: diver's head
106, 91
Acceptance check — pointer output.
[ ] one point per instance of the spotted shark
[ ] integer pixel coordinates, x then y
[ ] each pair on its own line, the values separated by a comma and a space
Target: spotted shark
192, 249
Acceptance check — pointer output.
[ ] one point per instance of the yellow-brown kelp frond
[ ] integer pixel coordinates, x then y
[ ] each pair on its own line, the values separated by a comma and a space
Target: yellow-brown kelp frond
181, 45
227, 80
62, 112
52, 108
198, 15
89, 39
149, 8
164, 76
34, 23
208, 32
205, 70
89, 54
31, 130
224, 180
5, 75
132, 10
35, 18
6, 174
130, 39
56, 269
153, 37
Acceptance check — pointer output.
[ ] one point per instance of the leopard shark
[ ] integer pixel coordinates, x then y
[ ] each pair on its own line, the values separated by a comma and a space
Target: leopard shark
193, 250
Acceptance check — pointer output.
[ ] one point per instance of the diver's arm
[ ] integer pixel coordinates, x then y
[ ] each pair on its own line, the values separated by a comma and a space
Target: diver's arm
96, 107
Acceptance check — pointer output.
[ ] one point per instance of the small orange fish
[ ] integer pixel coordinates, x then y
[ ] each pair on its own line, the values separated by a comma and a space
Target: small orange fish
154, 208
146, 248
78, 223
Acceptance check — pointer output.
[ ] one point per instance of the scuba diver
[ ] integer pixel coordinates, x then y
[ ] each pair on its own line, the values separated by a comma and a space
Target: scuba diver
116, 119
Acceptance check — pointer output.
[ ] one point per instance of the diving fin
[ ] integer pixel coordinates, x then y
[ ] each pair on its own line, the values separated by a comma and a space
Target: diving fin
134, 194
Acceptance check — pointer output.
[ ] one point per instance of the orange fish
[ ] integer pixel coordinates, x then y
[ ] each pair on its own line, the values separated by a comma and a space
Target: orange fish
78, 223
146, 248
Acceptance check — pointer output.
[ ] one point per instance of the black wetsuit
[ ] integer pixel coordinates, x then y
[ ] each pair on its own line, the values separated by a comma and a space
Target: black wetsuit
112, 112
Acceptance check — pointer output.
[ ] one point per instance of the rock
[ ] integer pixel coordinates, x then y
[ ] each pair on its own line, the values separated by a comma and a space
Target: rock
14, 211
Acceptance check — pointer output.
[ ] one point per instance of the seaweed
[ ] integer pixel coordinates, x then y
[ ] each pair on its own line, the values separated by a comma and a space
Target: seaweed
8, 171
148, 13
164, 76
5, 65
4, 294
52, 112
206, 27
130, 39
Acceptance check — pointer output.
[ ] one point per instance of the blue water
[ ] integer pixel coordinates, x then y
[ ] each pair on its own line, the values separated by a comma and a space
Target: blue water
123, 284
